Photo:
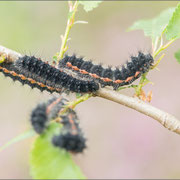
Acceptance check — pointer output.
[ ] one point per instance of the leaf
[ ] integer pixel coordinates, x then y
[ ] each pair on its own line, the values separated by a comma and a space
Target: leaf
173, 29
177, 56
18, 138
154, 27
89, 5
49, 162
55, 57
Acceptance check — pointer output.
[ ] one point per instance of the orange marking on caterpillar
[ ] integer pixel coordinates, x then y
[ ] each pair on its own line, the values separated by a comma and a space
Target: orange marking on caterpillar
129, 79
52, 105
75, 68
13, 73
32, 81
5, 70
137, 73
106, 79
118, 81
42, 85
50, 88
94, 75
22, 77
68, 64
83, 72
73, 125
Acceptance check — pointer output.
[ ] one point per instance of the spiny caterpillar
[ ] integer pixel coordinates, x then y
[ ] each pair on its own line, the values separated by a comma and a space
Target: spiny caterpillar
36, 73
71, 137
44, 112
107, 76
9, 70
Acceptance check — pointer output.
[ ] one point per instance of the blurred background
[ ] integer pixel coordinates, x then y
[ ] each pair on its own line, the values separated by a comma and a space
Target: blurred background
122, 143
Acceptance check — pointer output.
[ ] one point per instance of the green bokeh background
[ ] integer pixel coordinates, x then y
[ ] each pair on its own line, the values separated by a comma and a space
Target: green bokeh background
121, 142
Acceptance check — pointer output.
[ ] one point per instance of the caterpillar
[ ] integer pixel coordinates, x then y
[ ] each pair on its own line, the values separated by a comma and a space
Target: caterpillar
36, 73
44, 112
128, 73
9, 70
71, 137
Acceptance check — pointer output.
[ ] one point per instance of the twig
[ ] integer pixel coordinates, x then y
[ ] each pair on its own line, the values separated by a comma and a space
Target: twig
74, 103
10, 54
167, 120
163, 47
70, 23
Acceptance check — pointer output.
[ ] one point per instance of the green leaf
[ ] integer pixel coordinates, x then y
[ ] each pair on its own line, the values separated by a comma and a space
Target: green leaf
90, 5
49, 162
55, 57
177, 56
173, 29
154, 27
18, 138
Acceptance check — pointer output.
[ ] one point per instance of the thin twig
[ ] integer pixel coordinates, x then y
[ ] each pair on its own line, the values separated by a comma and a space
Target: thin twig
163, 48
74, 103
70, 23
167, 120
10, 54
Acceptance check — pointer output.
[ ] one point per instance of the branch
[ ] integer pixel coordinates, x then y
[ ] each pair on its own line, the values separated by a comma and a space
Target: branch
10, 54
70, 23
167, 120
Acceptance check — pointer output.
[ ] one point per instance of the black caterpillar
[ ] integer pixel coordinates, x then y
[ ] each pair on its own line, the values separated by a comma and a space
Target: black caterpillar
106, 76
36, 73
71, 137
44, 112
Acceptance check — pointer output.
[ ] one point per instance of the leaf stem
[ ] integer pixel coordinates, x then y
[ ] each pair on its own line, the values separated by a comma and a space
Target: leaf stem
74, 103
163, 48
158, 61
25, 135
141, 84
155, 44
125, 87
70, 23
